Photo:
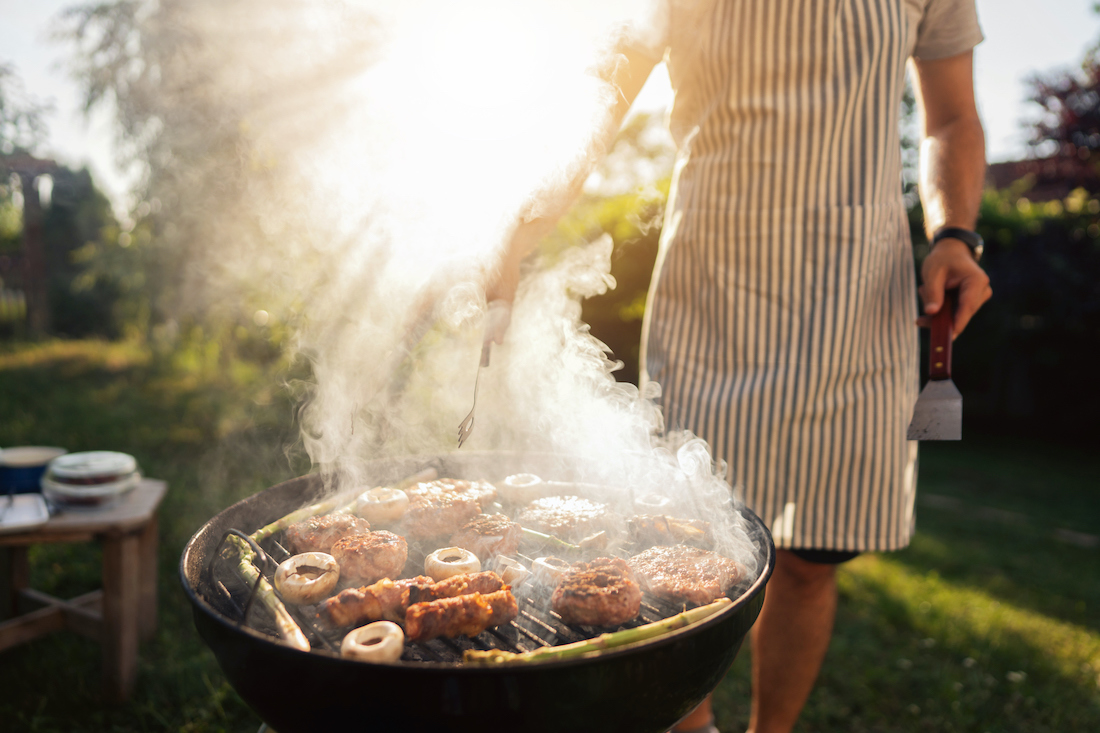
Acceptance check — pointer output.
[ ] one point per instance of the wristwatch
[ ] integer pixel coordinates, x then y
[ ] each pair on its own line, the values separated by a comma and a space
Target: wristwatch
973, 240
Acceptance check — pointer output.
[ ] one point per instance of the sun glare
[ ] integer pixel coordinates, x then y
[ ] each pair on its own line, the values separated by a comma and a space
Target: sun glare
472, 107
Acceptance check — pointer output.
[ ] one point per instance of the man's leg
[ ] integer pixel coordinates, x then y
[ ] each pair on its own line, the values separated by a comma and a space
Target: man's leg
789, 640
697, 718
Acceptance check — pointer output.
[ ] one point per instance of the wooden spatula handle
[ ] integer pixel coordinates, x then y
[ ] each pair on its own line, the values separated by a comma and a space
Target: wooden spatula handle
943, 328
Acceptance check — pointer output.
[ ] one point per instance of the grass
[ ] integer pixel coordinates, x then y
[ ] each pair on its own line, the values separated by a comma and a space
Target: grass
987, 622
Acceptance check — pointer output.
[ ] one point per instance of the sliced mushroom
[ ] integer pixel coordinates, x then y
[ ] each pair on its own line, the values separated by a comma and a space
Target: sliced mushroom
548, 570
382, 641
521, 488
653, 503
448, 561
511, 571
382, 504
307, 578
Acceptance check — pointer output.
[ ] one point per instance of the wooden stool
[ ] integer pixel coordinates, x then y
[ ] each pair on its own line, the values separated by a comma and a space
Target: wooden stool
119, 615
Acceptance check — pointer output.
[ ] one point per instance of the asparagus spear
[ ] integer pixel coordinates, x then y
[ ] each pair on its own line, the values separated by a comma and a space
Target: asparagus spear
599, 643
547, 539
290, 632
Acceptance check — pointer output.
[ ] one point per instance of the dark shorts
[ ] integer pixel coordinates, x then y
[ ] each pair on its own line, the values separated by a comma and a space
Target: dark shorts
825, 557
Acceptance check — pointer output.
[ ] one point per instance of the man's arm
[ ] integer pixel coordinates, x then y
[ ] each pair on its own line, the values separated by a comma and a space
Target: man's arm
628, 75
952, 172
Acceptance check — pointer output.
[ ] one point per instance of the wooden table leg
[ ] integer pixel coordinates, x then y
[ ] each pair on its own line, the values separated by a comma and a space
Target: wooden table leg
15, 575
121, 612
148, 603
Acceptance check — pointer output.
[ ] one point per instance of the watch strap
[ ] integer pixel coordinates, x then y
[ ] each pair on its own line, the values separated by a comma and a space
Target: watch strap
970, 238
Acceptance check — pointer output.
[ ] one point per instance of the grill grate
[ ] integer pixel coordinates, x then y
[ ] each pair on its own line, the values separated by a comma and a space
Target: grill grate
536, 625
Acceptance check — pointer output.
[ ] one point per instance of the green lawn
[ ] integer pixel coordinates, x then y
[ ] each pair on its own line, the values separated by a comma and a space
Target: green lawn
988, 622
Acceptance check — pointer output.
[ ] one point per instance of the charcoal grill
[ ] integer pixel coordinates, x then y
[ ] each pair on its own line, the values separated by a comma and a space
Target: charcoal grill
643, 687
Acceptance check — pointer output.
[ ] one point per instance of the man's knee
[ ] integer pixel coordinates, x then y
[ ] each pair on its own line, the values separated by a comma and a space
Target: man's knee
803, 573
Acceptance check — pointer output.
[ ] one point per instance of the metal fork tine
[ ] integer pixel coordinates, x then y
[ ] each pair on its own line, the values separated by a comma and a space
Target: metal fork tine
467, 426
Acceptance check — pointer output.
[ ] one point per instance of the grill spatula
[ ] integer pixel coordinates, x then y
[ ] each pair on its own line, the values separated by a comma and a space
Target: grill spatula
938, 412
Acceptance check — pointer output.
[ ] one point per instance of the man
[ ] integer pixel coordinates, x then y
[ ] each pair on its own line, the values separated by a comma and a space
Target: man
780, 320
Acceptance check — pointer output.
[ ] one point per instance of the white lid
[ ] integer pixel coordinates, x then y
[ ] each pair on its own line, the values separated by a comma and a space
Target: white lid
90, 464
27, 456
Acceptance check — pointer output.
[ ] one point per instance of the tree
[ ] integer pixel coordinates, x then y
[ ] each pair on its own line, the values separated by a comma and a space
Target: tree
1068, 124
21, 118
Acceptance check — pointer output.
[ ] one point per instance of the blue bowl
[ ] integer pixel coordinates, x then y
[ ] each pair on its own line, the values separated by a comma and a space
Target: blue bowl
22, 468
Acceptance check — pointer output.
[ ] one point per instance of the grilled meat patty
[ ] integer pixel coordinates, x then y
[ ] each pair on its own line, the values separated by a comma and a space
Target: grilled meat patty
438, 508
369, 557
602, 592
479, 491
685, 574
660, 529
565, 517
489, 534
381, 600
467, 615
319, 534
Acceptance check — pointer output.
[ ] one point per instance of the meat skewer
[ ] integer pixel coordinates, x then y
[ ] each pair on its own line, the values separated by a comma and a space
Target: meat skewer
390, 599
382, 600
467, 615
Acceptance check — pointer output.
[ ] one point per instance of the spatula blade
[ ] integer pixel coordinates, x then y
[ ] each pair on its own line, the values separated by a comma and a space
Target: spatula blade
938, 412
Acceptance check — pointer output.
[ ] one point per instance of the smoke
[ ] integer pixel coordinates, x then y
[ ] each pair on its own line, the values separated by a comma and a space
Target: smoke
362, 165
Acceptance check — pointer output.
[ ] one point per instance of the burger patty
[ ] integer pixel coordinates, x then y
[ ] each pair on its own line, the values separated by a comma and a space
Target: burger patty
685, 574
479, 491
442, 507
319, 534
565, 517
367, 558
489, 534
602, 592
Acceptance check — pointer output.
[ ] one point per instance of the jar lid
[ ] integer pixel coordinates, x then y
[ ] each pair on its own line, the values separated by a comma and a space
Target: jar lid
91, 464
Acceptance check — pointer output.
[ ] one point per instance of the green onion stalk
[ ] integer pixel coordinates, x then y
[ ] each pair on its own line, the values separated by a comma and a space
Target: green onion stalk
599, 643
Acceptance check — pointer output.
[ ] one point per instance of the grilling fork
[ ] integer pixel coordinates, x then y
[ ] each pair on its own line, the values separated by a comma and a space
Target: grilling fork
496, 321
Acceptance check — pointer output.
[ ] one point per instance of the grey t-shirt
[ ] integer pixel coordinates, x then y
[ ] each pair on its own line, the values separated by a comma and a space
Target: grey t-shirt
947, 28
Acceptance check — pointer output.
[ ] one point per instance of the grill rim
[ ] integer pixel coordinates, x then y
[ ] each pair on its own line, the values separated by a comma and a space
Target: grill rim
312, 486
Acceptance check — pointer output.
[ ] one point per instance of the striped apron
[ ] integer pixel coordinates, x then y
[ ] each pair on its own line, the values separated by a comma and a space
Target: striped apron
781, 313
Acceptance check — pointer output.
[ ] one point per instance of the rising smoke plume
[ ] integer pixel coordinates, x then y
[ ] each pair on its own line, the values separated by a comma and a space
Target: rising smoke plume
358, 167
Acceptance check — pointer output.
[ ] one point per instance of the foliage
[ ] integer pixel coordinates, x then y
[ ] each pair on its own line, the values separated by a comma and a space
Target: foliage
215, 221
1068, 123
79, 217
21, 117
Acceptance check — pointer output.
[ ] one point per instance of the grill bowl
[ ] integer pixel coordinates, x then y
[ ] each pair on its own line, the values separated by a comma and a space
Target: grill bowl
634, 689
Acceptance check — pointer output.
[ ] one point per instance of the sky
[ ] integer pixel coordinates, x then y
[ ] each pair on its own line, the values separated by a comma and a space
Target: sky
1020, 40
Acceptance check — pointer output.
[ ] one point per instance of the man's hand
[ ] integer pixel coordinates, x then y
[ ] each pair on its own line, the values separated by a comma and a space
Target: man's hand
951, 265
